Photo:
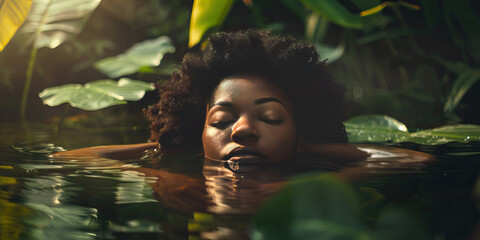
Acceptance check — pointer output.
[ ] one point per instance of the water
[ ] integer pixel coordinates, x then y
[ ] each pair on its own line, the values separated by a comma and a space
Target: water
182, 196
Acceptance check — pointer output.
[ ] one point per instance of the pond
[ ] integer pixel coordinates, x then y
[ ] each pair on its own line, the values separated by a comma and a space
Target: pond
182, 196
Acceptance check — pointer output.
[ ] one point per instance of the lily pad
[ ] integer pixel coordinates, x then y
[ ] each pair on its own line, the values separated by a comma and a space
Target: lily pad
148, 53
97, 94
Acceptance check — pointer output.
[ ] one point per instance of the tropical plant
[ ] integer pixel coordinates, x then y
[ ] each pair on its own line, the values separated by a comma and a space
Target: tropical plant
375, 128
377, 50
49, 24
12, 15
97, 94
104, 93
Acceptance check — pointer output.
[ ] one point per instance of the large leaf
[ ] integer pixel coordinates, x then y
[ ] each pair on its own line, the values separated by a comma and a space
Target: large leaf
463, 133
12, 15
322, 206
311, 206
97, 94
381, 129
148, 53
375, 128
52, 22
205, 15
460, 87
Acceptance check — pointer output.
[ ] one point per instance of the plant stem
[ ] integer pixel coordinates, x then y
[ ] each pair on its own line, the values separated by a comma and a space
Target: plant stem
62, 120
31, 65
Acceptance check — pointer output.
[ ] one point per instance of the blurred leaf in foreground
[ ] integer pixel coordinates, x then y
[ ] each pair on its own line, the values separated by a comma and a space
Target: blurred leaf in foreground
322, 206
97, 94
311, 207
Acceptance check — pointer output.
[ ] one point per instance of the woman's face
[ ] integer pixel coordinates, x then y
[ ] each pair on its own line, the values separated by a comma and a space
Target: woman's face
249, 121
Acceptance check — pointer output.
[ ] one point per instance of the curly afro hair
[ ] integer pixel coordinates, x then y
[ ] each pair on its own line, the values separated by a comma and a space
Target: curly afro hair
178, 118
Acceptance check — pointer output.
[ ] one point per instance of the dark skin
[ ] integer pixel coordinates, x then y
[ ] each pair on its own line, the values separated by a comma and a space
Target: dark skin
248, 120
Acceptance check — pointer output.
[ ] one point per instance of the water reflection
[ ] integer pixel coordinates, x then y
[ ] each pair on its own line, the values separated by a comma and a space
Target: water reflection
184, 195
237, 193
219, 190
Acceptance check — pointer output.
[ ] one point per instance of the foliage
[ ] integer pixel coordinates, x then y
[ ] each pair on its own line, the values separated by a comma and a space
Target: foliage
205, 15
321, 206
12, 15
414, 60
52, 22
382, 129
148, 53
49, 24
461, 86
104, 93
393, 56
97, 94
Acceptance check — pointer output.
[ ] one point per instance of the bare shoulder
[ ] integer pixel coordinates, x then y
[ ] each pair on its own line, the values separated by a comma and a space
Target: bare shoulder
110, 151
346, 153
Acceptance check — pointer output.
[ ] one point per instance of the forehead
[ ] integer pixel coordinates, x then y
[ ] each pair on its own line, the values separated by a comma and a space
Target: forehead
246, 88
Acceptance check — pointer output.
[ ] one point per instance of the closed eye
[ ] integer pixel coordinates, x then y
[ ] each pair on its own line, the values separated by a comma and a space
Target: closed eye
221, 125
272, 122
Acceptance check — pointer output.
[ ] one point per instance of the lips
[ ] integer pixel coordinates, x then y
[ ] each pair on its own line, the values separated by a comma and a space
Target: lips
244, 160
245, 154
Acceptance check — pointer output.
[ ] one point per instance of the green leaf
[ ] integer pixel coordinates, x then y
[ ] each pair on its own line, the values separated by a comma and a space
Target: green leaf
335, 12
460, 87
12, 15
206, 14
311, 206
378, 121
52, 22
381, 129
97, 94
463, 133
148, 53
375, 128
399, 223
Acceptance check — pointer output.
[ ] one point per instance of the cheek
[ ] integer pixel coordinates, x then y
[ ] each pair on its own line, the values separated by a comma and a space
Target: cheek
281, 142
213, 140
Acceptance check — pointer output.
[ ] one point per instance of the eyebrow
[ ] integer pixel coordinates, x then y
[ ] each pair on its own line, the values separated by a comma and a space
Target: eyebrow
223, 104
268, 99
256, 102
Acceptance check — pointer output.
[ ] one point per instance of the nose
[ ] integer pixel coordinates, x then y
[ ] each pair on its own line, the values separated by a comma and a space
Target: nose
244, 130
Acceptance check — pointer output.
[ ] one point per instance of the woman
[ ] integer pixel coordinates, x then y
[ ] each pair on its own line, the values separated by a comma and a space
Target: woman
252, 103
250, 99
